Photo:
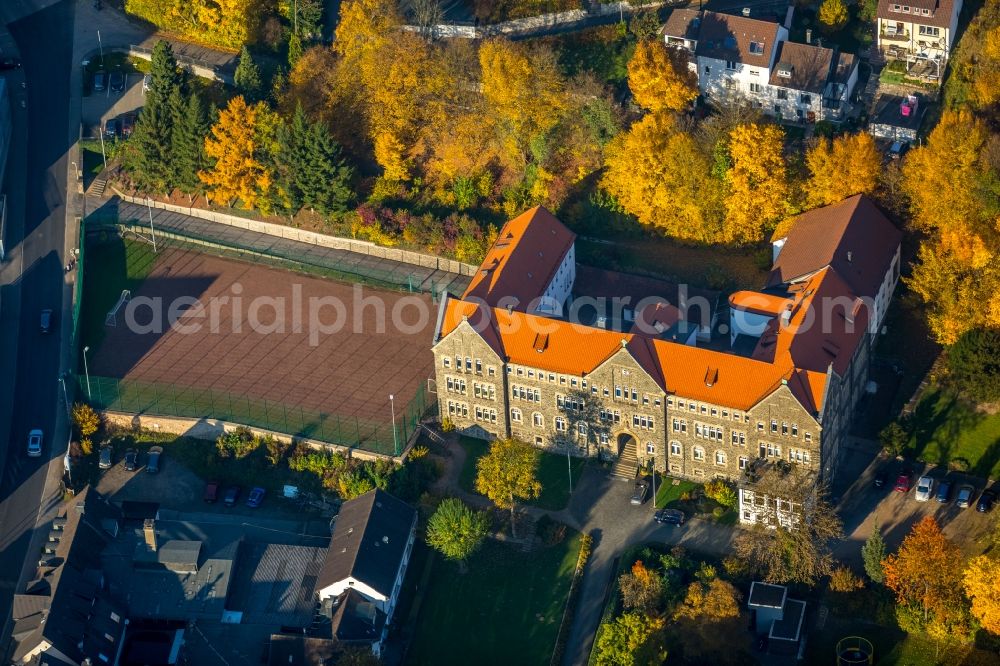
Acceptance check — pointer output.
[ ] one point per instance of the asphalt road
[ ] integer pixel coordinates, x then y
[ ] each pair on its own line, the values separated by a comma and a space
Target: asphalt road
36, 239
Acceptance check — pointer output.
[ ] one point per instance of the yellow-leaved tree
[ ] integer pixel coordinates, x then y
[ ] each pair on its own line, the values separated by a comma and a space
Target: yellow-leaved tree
848, 165
523, 92
758, 182
986, 81
662, 176
832, 15
508, 473
365, 28
982, 586
659, 79
940, 176
237, 172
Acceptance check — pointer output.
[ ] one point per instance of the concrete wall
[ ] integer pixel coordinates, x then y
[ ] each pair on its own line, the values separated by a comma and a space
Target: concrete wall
313, 238
210, 429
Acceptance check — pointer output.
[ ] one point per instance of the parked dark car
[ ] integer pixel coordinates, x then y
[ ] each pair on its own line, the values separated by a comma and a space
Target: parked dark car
105, 459
100, 81
211, 492
639, 493
986, 500
669, 517
9, 63
255, 497
881, 478
111, 128
966, 493
153, 465
232, 496
131, 460
944, 492
117, 82
128, 124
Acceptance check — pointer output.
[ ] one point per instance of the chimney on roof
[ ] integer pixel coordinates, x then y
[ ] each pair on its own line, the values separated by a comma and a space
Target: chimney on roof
786, 316
149, 532
746, 12
809, 35
850, 256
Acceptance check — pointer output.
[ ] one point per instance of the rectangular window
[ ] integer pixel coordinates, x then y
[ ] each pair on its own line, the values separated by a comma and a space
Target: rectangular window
774, 426
446, 361
479, 366
675, 449
782, 93
491, 371
635, 396
757, 48
606, 392
645, 400
593, 390
468, 363
708, 70
650, 448
531, 373
808, 437
784, 428
572, 382
795, 430
743, 462
805, 99
715, 412
730, 64
756, 88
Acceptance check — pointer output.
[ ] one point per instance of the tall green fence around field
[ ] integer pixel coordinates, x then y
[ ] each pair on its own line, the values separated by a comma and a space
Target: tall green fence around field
155, 399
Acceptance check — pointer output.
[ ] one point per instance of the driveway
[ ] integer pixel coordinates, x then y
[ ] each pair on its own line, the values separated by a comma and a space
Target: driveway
99, 106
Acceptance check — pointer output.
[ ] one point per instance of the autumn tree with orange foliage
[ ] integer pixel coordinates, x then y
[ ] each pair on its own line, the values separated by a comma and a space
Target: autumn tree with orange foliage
641, 588
235, 146
659, 79
982, 586
848, 165
926, 576
662, 175
716, 599
758, 182
951, 189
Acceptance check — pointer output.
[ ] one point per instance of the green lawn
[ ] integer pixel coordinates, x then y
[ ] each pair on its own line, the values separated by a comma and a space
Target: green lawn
109, 267
669, 495
505, 609
946, 430
552, 473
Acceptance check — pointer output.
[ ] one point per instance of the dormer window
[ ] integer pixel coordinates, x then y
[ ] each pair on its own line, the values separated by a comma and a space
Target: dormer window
730, 64
784, 70
757, 48
906, 9
897, 8
925, 12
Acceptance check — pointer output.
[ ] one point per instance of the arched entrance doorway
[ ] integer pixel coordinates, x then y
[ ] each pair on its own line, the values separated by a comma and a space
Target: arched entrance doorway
628, 446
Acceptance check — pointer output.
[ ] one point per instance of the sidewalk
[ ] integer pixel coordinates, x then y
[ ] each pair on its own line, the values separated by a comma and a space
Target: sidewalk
599, 507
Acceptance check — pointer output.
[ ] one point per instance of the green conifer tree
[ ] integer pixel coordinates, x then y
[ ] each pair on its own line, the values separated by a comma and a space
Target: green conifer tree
247, 76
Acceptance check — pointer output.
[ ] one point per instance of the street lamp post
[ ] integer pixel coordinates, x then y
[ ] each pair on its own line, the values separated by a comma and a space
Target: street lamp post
69, 438
392, 408
86, 372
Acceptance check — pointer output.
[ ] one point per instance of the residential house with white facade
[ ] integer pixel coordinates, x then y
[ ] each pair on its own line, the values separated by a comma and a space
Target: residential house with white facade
915, 30
738, 56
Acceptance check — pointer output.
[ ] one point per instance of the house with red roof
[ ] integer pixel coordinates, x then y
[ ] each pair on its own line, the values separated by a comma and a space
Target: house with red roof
780, 386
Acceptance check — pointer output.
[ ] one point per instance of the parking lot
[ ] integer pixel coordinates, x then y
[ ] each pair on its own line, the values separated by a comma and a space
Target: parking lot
863, 506
99, 106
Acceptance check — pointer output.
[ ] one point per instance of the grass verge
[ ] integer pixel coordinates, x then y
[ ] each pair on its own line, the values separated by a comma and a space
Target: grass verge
552, 473
505, 609
949, 431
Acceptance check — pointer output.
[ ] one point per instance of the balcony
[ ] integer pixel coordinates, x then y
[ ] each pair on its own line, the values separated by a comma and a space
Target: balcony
894, 35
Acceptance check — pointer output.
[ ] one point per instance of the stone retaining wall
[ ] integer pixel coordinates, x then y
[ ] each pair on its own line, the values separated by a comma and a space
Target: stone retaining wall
210, 429
313, 238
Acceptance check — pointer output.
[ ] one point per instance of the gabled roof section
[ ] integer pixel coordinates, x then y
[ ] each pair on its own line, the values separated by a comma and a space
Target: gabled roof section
738, 38
804, 67
853, 237
523, 259
368, 541
683, 24
940, 11
822, 325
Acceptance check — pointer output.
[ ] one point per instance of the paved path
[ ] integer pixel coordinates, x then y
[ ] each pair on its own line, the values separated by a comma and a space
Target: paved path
397, 272
599, 507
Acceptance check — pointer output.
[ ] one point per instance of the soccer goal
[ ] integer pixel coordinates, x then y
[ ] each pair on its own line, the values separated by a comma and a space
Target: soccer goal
112, 317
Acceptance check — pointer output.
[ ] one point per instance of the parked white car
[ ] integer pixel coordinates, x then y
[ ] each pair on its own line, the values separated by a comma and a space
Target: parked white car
925, 488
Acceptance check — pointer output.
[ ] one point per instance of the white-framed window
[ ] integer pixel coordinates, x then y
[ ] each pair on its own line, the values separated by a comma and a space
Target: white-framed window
774, 426
479, 366
537, 420
538, 440
491, 371
446, 361
720, 457
604, 439
675, 449
795, 430
756, 88
738, 438
515, 415
805, 99
698, 453
642, 421
581, 429
731, 64
744, 461
458, 409
468, 364
650, 448
560, 424
808, 437
798, 456
756, 48
679, 425
784, 428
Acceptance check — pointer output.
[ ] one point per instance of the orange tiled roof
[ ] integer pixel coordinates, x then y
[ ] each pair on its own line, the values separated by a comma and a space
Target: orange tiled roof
755, 301
523, 259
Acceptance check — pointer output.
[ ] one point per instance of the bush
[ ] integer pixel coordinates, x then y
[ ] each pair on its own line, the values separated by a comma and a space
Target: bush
718, 512
86, 446
721, 492
277, 449
844, 580
237, 443
447, 425
734, 567
86, 421
894, 438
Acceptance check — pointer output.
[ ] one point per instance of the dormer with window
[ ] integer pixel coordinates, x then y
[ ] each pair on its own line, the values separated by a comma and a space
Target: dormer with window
757, 48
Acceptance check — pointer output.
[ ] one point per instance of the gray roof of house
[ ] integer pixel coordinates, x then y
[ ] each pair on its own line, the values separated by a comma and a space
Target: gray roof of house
368, 541
766, 595
355, 619
789, 627
276, 583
